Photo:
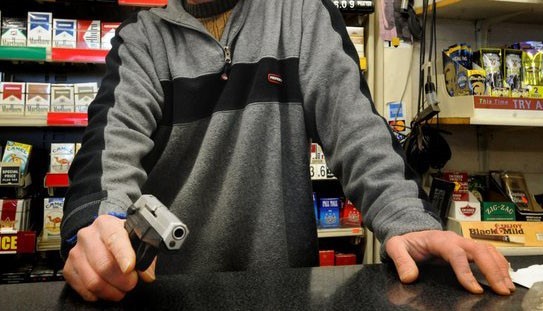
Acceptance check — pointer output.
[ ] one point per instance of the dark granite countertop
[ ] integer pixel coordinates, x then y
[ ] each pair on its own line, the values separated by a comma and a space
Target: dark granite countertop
369, 287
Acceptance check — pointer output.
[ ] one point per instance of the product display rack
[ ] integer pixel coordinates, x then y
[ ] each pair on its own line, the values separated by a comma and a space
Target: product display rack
492, 118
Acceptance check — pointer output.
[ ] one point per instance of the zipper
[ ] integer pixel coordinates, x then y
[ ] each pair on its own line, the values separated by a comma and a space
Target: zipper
227, 62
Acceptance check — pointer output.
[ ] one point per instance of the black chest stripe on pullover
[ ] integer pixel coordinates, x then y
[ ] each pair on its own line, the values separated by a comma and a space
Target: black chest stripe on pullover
269, 81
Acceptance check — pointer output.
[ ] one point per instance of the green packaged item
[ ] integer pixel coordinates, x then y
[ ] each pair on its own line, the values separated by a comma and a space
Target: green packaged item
498, 211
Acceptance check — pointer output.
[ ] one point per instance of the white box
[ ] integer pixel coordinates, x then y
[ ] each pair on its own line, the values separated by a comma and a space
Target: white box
52, 217
13, 31
84, 95
465, 211
62, 155
62, 98
40, 29
108, 32
38, 98
88, 34
12, 101
64, 33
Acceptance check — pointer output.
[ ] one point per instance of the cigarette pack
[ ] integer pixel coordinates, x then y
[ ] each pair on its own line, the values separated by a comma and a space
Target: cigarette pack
40, 30
17, 153
13, 31
345, 259
329, 212
88, 34
84, 95
38, 98
64, 33
62, 98
62, 155
108, 32
52, 217
12, 101
12, 214
460, 180
326, 258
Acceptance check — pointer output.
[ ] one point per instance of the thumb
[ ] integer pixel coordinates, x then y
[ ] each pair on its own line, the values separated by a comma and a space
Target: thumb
405, 265
148, 275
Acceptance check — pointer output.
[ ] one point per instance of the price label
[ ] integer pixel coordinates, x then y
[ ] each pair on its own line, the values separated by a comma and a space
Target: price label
10, 175
8, 243
320, 171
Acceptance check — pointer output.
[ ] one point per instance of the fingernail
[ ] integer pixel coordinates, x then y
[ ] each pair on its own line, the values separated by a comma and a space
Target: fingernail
477, 287
509, 283
125, 264
150, 274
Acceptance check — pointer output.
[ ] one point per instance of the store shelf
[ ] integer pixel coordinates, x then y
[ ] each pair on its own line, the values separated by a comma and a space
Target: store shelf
56, 180
51, 119
530, 11
488, 110
340, 232
42, 54
23, 53
144, 3
12, 242
67, 55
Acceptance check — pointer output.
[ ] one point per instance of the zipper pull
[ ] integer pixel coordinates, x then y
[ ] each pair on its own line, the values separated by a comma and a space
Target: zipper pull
227, 62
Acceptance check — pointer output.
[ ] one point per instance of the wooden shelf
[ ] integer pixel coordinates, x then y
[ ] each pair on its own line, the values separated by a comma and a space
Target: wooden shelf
530, 11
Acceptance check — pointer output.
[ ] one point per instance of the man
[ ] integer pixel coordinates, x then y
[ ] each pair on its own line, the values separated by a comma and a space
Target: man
215, 122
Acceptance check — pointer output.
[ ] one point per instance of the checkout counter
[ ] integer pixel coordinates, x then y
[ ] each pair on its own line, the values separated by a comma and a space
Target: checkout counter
359, 287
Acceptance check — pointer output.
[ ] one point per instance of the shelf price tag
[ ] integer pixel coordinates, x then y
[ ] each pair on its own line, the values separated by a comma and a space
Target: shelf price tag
10, 175
320, 171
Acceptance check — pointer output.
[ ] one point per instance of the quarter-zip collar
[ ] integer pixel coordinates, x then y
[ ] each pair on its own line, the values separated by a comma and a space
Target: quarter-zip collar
209, 9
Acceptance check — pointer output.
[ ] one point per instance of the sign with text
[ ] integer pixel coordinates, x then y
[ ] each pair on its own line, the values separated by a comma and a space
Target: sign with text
10, 175
512, 103
505, 233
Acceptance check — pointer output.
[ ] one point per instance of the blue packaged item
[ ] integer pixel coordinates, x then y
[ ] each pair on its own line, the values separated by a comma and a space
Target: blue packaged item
329, 212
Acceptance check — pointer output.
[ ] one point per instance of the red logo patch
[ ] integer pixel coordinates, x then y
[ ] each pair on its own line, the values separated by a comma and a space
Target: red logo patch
275, 78
468, 210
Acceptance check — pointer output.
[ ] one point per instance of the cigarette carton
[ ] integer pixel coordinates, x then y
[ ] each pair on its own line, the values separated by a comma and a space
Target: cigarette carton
108, 32
12, 101
62, 155
13, 31
40, 30
38, 98
62, 98
88, 34
64, 33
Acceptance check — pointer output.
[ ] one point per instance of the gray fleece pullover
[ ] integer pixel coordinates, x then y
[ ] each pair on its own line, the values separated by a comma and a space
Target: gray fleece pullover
230, 157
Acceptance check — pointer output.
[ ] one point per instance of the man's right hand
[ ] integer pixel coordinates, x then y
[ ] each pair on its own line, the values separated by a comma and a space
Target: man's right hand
102, 263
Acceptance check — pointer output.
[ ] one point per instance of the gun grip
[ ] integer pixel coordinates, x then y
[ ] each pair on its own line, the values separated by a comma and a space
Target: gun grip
145, 253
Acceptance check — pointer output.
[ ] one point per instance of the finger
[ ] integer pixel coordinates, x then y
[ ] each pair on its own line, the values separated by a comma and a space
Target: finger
89, 281
398, 251
493, 270
504, 267
458, 259
148, 275
117, 242
72, 277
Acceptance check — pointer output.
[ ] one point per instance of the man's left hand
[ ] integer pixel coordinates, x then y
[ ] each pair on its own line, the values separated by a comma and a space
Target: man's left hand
408, 249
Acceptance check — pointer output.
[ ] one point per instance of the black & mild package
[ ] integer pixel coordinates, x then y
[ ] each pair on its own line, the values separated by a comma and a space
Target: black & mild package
512, 69
490, 60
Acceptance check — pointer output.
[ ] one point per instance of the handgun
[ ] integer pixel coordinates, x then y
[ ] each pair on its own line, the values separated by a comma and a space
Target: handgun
152, 228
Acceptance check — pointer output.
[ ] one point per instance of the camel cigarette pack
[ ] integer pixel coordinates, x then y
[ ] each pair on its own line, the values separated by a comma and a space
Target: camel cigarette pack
52, 217
13, 31
64, 33
40, 30
17, 153
12, 101
13, 214
38, 98
62, 155
62, 98
84, 95
108, 32
88, 34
